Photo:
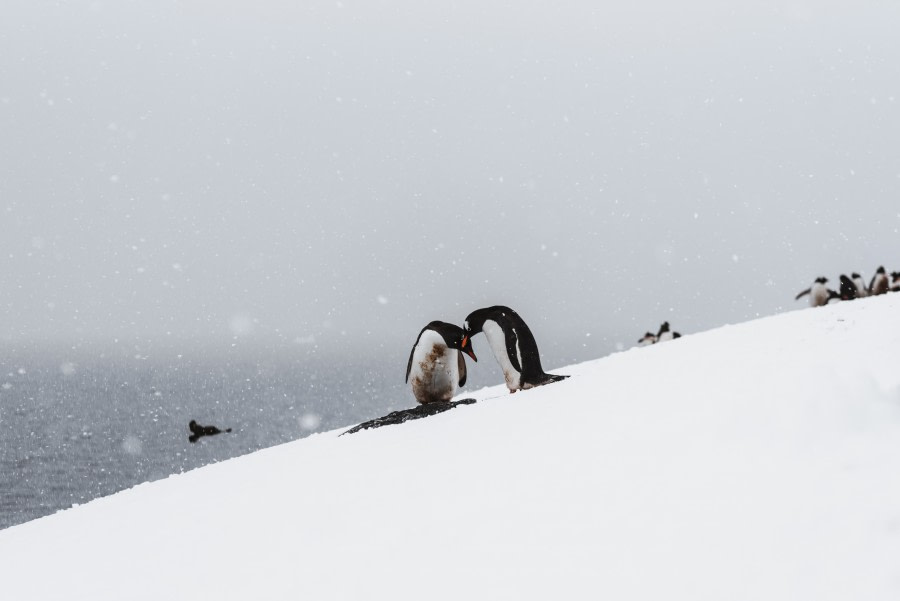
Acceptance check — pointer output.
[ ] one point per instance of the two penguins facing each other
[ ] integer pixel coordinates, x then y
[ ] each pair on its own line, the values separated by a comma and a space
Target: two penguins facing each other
436, 365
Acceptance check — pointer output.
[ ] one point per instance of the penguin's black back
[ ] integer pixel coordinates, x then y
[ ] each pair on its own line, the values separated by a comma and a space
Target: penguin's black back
515, 331
848, 289
452, 335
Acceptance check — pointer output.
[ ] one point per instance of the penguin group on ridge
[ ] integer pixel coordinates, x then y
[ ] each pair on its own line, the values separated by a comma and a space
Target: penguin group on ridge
437, 367
664, 334
851, 288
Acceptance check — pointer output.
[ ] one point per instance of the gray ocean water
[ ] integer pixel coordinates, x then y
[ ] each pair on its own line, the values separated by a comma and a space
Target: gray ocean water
77, 425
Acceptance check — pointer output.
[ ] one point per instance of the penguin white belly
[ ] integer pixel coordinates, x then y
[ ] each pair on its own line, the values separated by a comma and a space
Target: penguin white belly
860, 288
497, 339
818, 296
434, 374
665, 336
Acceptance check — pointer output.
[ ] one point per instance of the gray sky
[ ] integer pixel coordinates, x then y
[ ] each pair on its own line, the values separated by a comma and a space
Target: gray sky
292, 172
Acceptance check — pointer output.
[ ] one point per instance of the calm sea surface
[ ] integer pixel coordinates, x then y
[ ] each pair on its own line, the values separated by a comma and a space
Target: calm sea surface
73, 427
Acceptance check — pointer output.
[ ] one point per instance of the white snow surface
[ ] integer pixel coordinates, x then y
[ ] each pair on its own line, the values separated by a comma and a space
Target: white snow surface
757, 461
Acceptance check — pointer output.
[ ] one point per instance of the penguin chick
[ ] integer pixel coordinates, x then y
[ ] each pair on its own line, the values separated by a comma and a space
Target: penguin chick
861, 290
879, 283
513, 345
665, 333
819, 294
436, 365
647, 339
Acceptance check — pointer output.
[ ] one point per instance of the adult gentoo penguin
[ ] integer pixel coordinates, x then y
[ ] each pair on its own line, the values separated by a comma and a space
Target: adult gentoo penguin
665, 333
861, 289
819, 294
879, 283
435, 365
647, 339
513, 345
848, 290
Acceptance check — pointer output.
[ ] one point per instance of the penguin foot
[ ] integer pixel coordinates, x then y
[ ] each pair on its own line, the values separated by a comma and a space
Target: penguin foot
546, 379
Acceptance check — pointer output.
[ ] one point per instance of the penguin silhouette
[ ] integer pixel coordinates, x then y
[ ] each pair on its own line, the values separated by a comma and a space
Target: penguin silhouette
861, 290
436, 365
848, 290
819, 294
665, 333
647, 339
199, 431
513, 345
879, 283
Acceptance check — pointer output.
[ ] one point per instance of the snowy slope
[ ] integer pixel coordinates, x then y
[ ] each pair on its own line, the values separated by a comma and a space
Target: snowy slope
759, 461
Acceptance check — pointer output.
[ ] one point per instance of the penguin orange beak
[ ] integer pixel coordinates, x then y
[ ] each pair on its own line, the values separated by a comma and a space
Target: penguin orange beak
469, 351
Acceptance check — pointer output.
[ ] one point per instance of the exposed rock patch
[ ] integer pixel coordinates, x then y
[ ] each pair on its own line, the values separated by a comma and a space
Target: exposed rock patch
404, 415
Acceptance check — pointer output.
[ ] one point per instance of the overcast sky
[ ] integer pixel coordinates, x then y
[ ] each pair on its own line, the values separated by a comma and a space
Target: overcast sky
319, 172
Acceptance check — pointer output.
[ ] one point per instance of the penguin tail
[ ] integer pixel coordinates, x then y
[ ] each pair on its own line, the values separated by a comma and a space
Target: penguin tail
228, 429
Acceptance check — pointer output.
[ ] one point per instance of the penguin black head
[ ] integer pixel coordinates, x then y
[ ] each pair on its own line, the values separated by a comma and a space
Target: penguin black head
855, 275
821, 280
895, 275
453, 336
663, 328
880, 270
474, 323
475, 320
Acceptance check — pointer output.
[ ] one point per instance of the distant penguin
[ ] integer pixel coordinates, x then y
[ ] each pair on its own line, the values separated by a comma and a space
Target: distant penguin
861, 290
436, 365
513, 345
879, 283
895, 281
848, 290
198, 431
647, 339
819, 294
665, 333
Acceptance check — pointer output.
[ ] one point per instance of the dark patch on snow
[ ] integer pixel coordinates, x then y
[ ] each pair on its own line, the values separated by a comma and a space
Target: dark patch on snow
199, 431
398, 417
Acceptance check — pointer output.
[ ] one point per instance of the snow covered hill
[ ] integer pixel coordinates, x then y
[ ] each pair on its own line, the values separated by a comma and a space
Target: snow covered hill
758, 461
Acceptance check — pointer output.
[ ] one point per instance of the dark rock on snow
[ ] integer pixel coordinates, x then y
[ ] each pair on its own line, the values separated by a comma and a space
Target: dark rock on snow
398, 417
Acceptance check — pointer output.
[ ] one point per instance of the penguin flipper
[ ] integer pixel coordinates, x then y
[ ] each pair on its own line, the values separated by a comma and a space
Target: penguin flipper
512, 349
409, 363
802, 294
462, 369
